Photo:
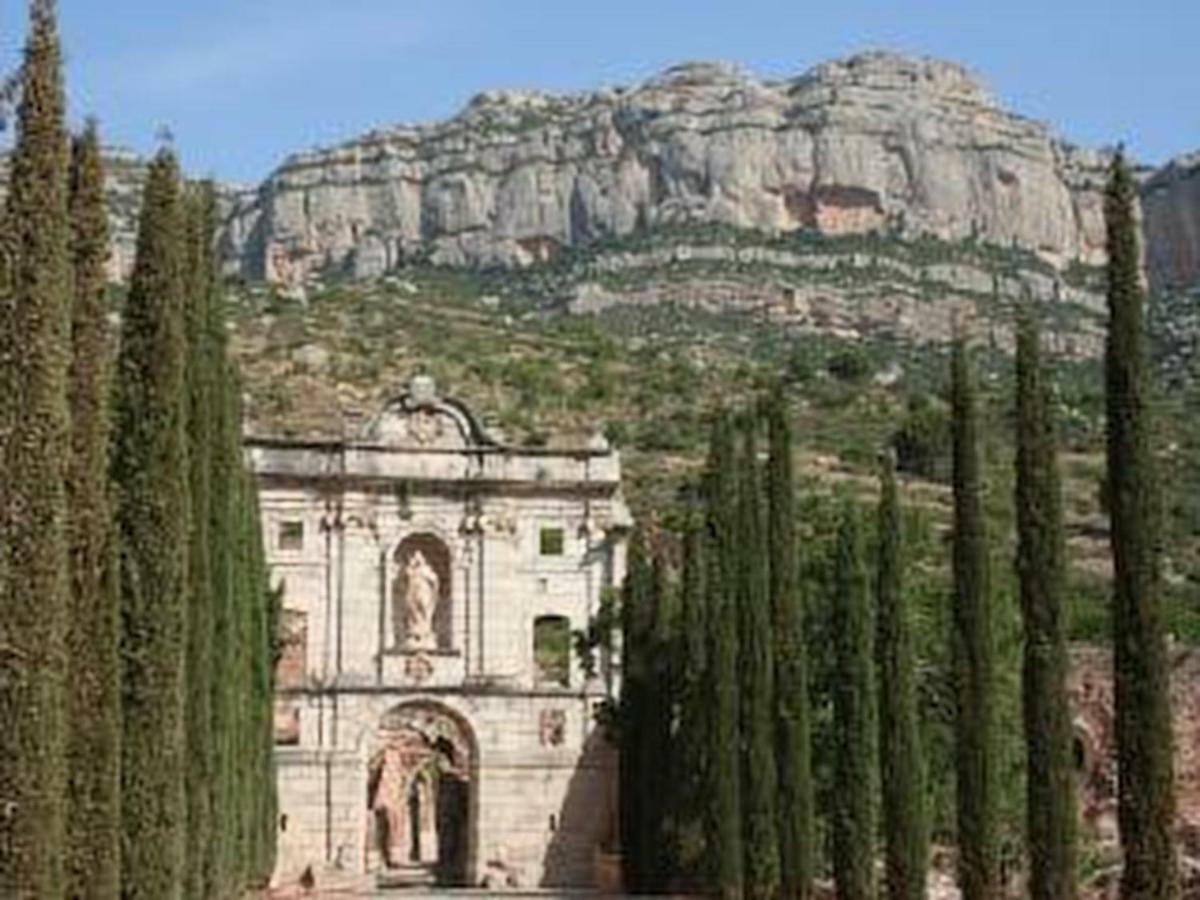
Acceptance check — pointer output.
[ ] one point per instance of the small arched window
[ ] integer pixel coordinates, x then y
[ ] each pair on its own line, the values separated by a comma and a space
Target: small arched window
552, 650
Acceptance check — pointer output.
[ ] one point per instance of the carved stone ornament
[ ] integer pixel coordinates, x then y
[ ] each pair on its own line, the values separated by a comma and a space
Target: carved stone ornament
418, 668
425, 428
552, 727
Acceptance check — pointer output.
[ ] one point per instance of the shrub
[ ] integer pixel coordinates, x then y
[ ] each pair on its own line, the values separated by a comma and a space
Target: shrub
922, 443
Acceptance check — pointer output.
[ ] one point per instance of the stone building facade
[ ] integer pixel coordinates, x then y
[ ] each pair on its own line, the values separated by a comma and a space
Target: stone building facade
432, 721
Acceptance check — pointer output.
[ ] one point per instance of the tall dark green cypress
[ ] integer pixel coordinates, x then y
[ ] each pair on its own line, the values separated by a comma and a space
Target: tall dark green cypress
1146, 801
34, 437
760, 785
854, 718
636, 631
257, 817
902, 776
972, 651
245, 771
723, 820
199, 266
658, 730
93, 852
793, 741
1050, 803
220, 868
691, 756
150, 471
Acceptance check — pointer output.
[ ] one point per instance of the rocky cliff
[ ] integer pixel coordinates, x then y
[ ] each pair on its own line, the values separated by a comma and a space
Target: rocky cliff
875, 141
1171, 206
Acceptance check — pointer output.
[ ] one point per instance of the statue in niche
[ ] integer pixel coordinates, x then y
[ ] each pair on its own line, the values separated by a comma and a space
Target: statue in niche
421, 594
390, 781
404, 801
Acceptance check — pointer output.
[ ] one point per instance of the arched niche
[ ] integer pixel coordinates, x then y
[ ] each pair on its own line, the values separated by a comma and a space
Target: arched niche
552, 650
420, 796
421, 594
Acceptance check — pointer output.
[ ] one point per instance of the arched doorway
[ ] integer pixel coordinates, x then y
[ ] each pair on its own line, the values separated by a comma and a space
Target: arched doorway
420, 798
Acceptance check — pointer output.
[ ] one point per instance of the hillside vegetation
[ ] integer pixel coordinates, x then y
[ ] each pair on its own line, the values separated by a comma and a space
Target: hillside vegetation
650, 377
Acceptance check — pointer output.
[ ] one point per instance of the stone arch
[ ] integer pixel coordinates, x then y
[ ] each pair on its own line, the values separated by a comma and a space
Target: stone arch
421, 796
439, 557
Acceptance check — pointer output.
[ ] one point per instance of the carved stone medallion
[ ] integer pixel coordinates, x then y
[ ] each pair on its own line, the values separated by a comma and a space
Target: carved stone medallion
425, 428
418, 668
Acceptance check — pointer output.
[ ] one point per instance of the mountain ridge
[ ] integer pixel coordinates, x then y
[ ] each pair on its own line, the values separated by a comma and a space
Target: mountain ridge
876, 142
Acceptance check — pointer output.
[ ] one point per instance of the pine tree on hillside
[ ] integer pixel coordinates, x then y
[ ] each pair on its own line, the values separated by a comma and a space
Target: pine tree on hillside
760, 784
854, 718
793, 742
150, 471
973, 652
93, 852
34, 442
199, 283
1050, 789
906, 841
723, 820
1146, 801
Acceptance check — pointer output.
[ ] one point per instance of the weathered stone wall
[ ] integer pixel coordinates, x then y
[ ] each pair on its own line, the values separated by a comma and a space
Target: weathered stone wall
1091, 689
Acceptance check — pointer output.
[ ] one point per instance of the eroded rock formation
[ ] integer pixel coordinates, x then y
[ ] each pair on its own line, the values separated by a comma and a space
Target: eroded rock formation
876, 140
1171, 205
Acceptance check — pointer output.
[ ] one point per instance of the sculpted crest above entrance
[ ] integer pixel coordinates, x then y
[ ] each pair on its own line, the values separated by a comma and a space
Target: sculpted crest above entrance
421, 420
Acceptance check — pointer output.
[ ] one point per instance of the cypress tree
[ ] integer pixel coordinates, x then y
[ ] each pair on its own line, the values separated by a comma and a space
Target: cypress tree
636, 627
658, 733
906, 841
760, 784
1146, 801
1050, 790
34, 437
723, 835
691, 763
257, 779
200, 205
220, 876
94, 687
972, 651
245, 773
854, 725
150, 470
793, 743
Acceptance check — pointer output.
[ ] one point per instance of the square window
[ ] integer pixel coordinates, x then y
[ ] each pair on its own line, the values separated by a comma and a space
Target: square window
551, 542
291, 535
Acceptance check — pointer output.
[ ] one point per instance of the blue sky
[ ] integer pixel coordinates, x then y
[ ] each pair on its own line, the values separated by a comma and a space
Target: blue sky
243, 82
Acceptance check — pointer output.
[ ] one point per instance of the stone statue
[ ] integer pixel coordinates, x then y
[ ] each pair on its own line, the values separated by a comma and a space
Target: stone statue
386, 803
404, 801
420, 603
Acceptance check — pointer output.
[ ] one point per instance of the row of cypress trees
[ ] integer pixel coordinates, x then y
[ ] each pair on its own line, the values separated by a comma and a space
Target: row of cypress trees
1144, 737
136, 623
715, 686
715, 670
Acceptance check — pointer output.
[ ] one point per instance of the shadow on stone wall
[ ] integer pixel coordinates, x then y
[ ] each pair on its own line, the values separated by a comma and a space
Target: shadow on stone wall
587, 820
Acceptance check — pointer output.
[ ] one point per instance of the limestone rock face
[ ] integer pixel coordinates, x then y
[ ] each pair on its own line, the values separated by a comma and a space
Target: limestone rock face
875, 140
1171, 220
